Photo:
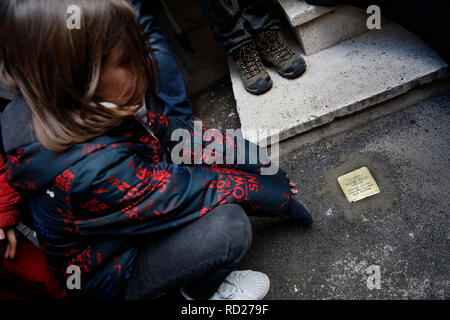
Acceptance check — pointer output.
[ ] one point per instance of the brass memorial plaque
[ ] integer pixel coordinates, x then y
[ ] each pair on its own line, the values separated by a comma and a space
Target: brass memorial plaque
358, 184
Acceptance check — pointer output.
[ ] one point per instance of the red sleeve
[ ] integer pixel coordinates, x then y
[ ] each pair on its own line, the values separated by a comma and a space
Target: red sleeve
9, 198
28, 276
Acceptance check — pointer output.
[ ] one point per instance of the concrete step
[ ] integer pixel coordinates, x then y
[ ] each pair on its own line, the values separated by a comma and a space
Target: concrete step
299, 12
318, 27
371, 68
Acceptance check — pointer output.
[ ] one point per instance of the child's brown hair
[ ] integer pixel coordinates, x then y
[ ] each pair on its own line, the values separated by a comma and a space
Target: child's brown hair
57, 69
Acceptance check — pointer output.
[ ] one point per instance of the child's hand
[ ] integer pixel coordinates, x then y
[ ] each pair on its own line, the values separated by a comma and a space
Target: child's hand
298, 212
10, 235
295, 209
283, 178
292, 185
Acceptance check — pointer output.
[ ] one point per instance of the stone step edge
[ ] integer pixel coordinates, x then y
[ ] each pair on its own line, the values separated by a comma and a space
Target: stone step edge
309, 11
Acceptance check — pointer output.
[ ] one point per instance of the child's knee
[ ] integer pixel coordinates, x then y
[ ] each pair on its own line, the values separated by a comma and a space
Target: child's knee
233, 226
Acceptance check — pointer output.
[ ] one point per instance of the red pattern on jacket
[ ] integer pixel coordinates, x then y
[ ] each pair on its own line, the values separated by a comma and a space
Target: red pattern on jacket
9, 198
28, 275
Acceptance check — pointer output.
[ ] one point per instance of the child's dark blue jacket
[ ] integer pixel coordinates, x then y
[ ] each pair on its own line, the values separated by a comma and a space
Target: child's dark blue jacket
93, 204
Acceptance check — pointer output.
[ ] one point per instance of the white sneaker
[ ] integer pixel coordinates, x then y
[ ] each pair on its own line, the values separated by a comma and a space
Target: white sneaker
243, 285
240, 285
184, 293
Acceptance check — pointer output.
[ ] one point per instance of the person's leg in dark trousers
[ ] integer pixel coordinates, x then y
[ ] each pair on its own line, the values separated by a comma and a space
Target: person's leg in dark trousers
260, 15
173, 90
249, 33
261, 20
235, 26
200, 255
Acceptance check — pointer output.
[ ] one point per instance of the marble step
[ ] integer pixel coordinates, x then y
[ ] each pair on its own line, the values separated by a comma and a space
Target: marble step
318, 27
348, 77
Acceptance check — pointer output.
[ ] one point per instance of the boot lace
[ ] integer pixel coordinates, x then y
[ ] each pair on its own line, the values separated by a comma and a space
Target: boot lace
272, 43
249, 60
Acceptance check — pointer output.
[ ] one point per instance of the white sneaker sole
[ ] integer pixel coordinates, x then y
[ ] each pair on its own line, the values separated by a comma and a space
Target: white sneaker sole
268, 285
266, 278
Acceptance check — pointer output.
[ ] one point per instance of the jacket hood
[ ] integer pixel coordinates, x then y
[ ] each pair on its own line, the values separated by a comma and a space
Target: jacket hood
16, 125
30, 166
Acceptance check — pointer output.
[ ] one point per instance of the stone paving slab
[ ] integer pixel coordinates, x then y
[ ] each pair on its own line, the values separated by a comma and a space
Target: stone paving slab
353, 75
400, 236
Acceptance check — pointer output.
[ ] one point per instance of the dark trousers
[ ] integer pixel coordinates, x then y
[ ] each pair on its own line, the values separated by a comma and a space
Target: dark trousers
233, 27
172, 93
200, 255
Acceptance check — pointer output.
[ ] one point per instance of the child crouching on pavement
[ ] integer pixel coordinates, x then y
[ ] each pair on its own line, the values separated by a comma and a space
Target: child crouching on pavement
95, 163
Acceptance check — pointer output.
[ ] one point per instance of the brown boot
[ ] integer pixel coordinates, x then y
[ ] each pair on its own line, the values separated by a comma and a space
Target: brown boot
278, 55
253, 73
